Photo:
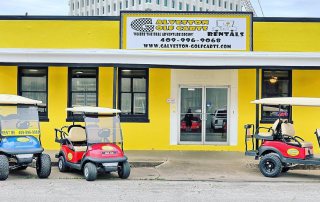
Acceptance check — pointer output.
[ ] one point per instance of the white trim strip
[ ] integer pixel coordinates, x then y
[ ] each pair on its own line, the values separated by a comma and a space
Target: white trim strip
173, 58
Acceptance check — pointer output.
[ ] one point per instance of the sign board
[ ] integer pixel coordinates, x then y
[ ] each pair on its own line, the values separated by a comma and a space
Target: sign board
223, 31
171, 100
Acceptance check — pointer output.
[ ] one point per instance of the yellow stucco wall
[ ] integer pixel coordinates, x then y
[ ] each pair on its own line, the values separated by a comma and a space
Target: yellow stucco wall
268, 36
8, 79
59, 34
306, 119
286, 36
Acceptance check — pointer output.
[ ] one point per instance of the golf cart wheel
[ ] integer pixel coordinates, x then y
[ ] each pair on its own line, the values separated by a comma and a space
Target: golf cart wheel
43, 166
270, 165
4, 167
124, 170
285, 169
90, 171
62, 164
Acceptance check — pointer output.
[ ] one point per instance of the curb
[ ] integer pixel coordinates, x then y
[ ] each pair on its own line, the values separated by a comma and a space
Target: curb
133, 164
297, 167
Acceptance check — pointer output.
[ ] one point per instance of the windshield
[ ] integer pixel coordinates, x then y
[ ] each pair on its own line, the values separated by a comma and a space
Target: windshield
103, 129
19, 121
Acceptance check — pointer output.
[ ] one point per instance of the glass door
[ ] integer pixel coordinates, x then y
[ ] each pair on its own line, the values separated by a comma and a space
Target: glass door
216, 113
203, 115
191, 114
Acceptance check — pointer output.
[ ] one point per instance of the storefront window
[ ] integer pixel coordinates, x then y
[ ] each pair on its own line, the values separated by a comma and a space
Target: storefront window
33, 85
275, 83
83, 84
133, 96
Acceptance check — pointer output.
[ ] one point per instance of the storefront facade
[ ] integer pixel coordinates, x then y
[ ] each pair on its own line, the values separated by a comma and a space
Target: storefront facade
156, 99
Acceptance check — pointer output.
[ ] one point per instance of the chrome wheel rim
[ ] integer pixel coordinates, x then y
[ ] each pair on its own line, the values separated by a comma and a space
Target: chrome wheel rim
86, 172
60, 164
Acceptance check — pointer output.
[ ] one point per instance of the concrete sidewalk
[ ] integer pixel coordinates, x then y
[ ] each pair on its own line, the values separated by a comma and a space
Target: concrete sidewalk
196, 165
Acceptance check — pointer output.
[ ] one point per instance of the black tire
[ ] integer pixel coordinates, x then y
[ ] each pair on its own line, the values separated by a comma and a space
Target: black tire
4, 167
62, 164
124, 170
43, 166
285, 169
270, 165
90, 171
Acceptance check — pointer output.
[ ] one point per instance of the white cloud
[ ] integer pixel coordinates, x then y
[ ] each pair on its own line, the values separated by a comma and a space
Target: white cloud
271, 8
288, 8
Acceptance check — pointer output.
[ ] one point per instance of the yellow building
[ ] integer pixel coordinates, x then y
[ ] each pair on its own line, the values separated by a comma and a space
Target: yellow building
157, 99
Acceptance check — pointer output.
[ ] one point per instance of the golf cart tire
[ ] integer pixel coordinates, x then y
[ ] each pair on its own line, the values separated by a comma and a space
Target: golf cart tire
275, 160
43, 166
62, 164
124, 170
285, 169
4, 167
90, 171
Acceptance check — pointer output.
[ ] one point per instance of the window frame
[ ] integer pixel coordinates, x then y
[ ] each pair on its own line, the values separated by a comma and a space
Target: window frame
133, 118
42, 118
70, 117
262, 118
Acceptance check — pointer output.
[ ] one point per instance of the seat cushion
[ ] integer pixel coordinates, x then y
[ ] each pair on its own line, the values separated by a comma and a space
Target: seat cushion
77, 134
303, 144
306, 144
265, 134
80, 148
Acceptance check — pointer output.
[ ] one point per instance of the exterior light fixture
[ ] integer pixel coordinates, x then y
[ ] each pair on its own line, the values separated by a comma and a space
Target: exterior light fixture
33, 70
273, 80
79, 72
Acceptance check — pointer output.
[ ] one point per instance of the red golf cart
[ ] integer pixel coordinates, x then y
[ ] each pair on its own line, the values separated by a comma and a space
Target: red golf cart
277, 147
97, 146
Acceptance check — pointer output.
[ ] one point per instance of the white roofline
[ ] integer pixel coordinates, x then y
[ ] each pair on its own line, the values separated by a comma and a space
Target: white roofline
153, 57
293, 101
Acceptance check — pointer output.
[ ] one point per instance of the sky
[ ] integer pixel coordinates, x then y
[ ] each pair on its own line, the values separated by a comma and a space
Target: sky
271, 8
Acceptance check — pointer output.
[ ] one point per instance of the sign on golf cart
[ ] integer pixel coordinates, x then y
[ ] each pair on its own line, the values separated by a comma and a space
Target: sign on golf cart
278, 147
96, 146
20, 136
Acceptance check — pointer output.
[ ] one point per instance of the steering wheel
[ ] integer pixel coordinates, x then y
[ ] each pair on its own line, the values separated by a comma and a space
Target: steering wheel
104, 133
23, 124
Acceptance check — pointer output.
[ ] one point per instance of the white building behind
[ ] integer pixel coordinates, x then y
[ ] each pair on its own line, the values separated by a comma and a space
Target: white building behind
113, 7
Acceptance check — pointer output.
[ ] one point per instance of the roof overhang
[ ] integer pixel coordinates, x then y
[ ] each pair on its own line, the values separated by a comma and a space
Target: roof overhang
158, 58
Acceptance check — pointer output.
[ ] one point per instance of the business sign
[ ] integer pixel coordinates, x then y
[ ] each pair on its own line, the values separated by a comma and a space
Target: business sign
223, 31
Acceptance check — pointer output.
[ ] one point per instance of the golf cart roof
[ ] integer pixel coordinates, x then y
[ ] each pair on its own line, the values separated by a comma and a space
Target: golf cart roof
15, 100
99, 110
293, 101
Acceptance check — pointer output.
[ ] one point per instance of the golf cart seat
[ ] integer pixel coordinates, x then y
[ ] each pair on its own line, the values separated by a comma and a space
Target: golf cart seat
77, 136
268, 135
287, 130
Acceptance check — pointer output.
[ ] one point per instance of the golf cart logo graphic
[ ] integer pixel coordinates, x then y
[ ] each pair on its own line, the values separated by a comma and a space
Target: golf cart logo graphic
107, 148
293, 152
70, 156
225, 25
142, 25
23, 139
